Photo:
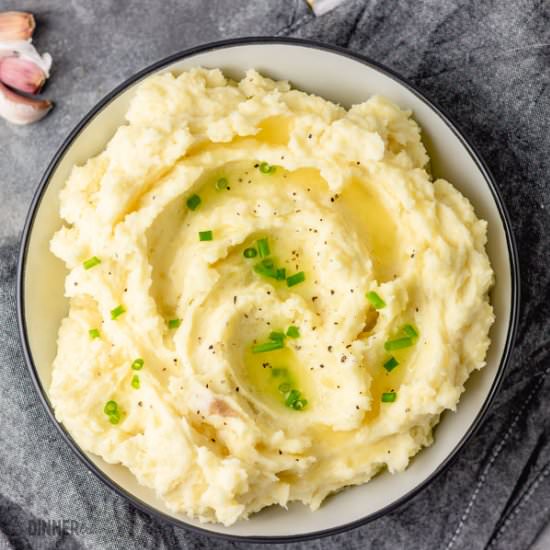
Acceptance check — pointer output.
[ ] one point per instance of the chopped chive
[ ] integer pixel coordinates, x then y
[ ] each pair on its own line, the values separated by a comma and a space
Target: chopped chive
295, 279
284, 387
205, 235
299, 404
375, 300
292, 397
293, 332
174, 323
110, 407
222, 184
268, 346
277, 335
389, 397
117, 312
138, 364
91, 262
250, 253
398, 343
280, 274
94, 333
193, 202
266, 168
268, 262
391, 363
409, 330
112, 411
263, 247
266, 270
276, 372
135, 382
114, 418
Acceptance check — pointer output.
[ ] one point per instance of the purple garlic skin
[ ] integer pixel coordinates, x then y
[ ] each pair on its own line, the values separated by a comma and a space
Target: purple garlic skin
19, 109
21, 74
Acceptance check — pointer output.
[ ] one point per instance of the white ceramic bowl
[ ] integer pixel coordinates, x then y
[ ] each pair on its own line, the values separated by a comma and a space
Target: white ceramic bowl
345, 78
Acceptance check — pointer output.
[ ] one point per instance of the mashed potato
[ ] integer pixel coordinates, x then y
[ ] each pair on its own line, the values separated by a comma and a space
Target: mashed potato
270, 298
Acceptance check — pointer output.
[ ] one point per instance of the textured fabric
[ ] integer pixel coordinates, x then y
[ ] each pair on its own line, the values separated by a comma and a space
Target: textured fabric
487, 63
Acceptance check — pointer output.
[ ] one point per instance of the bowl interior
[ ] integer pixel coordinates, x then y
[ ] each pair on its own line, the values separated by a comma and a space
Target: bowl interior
346, 80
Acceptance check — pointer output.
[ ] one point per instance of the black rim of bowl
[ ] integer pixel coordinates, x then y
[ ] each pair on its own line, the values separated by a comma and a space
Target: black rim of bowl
37, 198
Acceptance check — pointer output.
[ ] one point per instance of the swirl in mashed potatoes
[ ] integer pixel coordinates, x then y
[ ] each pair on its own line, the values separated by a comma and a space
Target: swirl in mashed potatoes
270, 297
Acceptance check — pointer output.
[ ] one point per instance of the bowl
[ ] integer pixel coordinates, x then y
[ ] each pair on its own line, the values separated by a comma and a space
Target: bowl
345, 78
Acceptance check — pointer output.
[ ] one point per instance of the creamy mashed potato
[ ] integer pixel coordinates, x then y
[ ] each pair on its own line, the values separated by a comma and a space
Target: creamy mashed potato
270, 297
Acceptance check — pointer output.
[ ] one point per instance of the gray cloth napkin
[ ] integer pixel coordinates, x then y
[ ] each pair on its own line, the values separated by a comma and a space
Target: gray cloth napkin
487, 63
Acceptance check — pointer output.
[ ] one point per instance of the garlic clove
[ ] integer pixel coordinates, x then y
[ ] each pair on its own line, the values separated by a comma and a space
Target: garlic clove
21, 74
26, 50
16, 25
19, 109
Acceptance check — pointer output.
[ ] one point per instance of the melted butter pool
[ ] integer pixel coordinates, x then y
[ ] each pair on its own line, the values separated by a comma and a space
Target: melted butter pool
271, 375
363, 209
275, 130
384, 381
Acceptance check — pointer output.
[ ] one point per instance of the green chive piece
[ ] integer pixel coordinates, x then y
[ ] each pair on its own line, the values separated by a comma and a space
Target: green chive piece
398, 343
292, 397
268, 346
263, 247
284, 387
391, 363
117, 312
410, 331
111, 407
277, 371
91, 262
293, 332
299, 404
222, 184
266, 270
268, 262
135, 382
114, 418
174, 323
112, 411
277, 335
193, 202
266, 168
250, 253
280, 274
389, 397
94, 333
205, 235
375, 300
138, 364
295, 279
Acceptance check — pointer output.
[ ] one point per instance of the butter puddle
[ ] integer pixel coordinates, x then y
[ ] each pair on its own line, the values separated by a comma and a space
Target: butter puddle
271, 375
363, 209
275, 130
384, 381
